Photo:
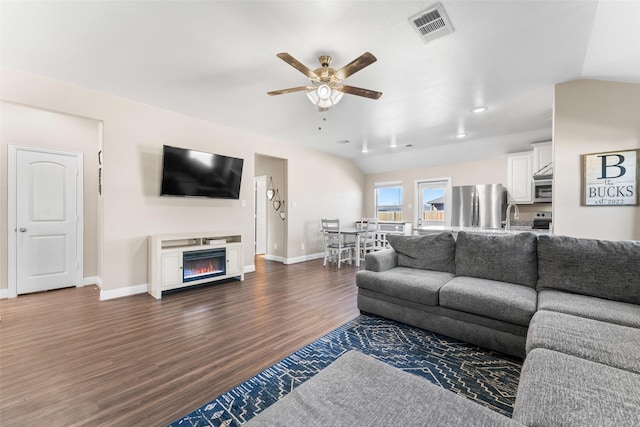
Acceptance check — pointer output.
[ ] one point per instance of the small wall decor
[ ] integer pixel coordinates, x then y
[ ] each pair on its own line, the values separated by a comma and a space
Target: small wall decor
610, 178
100, 172
283, 216
270, 191
276, 201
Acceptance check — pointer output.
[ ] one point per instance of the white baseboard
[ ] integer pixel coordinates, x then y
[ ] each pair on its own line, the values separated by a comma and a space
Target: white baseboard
122, 292
249, 268
4, 293
92, 280
295, 260
303, 258
273, 258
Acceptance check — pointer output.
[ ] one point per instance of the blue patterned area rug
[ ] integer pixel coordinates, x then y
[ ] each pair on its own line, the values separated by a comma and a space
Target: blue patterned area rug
486, 377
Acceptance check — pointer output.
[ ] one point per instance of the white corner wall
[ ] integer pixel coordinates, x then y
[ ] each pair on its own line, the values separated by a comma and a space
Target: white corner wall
133, 135
592, 116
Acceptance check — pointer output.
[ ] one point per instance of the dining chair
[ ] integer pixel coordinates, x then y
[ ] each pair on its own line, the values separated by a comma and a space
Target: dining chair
336, 249
368, 238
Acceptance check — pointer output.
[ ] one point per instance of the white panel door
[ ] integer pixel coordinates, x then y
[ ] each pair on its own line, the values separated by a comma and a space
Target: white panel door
46, 221
261, 214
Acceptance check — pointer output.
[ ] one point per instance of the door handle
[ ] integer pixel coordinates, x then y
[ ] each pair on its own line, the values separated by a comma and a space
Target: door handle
22, 229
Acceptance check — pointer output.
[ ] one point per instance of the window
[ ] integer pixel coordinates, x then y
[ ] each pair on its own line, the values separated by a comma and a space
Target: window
389, 202
432, 201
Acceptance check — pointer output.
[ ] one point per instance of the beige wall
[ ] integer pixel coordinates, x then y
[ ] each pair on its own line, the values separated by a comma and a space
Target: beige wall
592, 116
30, 127
480, 172
133, 135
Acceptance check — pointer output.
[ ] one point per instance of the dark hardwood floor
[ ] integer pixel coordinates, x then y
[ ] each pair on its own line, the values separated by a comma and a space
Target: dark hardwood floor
67, 359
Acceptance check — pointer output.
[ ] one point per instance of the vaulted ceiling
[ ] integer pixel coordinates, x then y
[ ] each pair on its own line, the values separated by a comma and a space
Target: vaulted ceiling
216, 60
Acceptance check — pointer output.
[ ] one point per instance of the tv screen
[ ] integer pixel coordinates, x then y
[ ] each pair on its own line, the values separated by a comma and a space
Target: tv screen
199, 174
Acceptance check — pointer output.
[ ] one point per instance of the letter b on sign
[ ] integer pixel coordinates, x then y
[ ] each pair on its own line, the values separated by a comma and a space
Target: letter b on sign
620, 170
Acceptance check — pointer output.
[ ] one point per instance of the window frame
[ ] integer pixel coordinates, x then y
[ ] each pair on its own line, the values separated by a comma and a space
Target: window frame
418, 211
391, 184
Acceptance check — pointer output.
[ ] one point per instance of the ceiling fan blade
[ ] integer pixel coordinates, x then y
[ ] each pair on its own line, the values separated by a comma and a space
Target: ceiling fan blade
298, 66
290, 90
356, 65
358, 91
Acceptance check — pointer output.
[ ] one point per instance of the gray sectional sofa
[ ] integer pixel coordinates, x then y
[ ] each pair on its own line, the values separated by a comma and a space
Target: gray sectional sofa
570, 307
479, 288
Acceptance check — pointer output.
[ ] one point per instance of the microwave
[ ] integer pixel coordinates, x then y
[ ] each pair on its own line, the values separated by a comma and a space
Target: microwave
542, 191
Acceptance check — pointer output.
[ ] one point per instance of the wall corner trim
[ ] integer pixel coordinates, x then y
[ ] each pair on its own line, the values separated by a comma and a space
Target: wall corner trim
92, 280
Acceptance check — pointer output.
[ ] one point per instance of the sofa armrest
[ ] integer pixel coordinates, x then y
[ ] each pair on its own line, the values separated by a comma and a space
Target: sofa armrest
385, 259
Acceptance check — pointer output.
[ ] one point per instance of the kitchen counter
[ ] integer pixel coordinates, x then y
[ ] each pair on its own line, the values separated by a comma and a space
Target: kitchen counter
514, 229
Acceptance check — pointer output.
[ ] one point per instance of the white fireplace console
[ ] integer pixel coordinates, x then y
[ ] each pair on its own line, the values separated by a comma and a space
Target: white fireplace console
180, 260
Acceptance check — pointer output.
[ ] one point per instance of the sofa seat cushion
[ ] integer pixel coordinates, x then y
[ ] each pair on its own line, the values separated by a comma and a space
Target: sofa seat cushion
590, 307
598, 268
412, 284
602, 342
557, 389
430, 252
510, 258
497, 300
358, 390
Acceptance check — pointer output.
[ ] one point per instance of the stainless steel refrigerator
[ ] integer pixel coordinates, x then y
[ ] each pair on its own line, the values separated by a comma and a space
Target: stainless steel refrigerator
478, 206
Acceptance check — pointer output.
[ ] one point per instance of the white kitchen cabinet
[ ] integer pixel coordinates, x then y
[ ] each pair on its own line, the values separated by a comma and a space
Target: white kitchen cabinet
520, 178
542, 155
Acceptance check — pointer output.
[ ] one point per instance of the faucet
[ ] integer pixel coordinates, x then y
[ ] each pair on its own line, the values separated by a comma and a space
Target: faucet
516, 215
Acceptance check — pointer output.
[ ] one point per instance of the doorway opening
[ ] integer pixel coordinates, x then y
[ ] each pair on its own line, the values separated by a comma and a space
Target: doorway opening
273, 170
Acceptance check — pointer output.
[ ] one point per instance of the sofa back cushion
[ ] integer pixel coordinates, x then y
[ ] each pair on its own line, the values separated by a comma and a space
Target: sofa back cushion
429, 252
598, 268
508, 258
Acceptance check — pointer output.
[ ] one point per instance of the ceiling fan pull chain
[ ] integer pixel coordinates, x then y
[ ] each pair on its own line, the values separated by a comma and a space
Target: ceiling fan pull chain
322, 114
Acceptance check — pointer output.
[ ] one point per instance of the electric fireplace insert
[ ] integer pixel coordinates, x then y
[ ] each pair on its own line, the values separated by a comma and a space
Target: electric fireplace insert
198, 265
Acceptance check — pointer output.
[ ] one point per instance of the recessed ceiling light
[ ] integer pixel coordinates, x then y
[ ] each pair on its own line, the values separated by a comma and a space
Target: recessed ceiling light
365, 150
480, 109
461, 135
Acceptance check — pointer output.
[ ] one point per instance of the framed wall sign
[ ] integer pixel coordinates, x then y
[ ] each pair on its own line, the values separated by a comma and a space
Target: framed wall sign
611, 178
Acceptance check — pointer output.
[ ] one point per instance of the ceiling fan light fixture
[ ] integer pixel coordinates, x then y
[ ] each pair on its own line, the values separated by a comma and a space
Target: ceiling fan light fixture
324, 91
324, 97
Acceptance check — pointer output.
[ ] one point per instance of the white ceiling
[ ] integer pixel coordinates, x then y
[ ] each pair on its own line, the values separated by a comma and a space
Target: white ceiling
216, 60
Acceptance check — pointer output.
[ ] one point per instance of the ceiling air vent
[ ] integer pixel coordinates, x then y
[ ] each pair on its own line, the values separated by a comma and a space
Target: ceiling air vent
432, 23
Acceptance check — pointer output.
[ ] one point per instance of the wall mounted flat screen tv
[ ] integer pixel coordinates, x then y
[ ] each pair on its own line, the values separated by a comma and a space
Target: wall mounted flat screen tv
198, 174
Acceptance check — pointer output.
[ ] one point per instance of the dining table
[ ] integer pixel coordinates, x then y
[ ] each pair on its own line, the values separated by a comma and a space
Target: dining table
356, 232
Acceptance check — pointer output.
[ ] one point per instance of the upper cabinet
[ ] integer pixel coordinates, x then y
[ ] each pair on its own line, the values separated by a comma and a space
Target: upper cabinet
520, 177
521, 167
543, 157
